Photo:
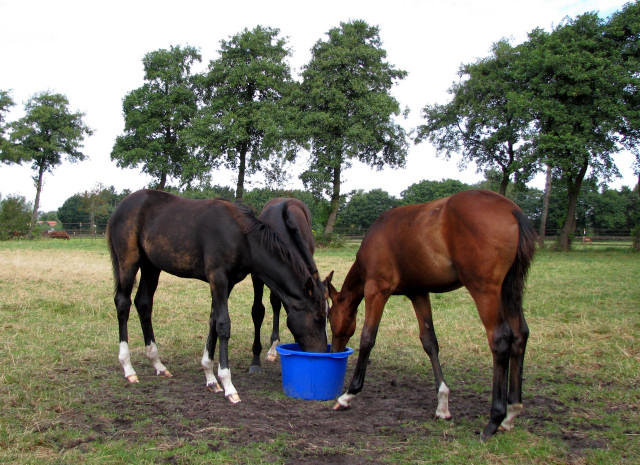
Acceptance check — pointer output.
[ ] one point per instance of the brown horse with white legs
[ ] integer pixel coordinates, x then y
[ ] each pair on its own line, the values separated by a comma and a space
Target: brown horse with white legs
215, 241
291, 220
476, 239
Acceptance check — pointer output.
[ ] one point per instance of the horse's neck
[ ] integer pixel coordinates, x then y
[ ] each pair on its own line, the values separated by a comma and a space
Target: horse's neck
276, 271
352, 291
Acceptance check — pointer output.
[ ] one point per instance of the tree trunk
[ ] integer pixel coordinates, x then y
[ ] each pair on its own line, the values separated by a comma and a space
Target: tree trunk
504, 183
241, 172
163, 181
636, 239
545, 208
36, 204
335, 202
573, 192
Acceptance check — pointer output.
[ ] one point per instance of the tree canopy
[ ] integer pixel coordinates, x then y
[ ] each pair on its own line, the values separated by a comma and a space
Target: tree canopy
348, 109
245, 121
46, 133
157, 117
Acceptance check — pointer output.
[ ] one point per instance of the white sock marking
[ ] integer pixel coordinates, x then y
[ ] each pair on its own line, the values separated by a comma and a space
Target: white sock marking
345, 398
207, 366
443, 402
513, 410
124, 357
154, 356
225, 380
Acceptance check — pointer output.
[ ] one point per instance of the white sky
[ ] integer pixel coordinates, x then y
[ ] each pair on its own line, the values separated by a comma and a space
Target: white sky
91, 51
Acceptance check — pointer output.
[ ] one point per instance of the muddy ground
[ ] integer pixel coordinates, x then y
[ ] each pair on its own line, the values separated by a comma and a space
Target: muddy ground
392, 408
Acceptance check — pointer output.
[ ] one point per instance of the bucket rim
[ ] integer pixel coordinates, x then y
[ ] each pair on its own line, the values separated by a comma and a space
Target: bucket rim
294, 349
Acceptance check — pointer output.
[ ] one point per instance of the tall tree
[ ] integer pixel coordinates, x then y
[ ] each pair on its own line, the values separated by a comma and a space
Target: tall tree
577, 89
486, 119
348, 109
6, 102
46, 133
246, 120
157, 116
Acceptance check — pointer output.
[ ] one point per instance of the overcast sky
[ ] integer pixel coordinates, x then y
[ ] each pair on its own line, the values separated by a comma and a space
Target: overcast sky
91, 51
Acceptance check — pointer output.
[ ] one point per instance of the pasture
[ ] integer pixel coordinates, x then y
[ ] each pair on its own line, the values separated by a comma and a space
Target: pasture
64, 399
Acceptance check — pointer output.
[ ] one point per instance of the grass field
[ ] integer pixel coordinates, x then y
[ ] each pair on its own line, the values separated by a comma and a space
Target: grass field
64, 399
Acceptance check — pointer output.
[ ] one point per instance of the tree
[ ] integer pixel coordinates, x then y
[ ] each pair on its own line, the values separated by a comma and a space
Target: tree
577, 92
486, 119
157, 117
46, 133
426, 191
96, 203
6, 102
246, 119
348, 110
363, 208
15, 216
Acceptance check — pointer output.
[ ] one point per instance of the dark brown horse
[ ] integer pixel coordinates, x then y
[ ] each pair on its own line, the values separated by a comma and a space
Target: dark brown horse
291, 220
215, 241
477, 239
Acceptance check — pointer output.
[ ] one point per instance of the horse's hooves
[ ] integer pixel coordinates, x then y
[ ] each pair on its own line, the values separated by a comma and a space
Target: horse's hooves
234, 398
214, 387
340, 407
255, 369
446, 417
166, 374
272, 357
133, 378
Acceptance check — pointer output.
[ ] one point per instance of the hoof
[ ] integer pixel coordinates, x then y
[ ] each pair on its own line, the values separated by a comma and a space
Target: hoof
255, 369
214, 387
339, 407
272, 357
133, 378
234, 398
165, 374
440, 416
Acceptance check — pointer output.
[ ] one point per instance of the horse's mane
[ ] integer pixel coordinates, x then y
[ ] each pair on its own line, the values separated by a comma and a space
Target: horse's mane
270, 240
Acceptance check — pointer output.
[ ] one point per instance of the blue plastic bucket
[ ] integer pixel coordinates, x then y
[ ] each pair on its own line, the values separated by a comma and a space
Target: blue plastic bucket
312, 375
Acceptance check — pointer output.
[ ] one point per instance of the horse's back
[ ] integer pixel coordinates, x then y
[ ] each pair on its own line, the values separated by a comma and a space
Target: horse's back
426, 245
284, 214
175, 234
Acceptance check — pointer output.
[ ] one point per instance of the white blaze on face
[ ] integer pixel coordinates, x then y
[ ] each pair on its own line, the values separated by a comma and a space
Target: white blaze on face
154, 356
124, 357
443, 402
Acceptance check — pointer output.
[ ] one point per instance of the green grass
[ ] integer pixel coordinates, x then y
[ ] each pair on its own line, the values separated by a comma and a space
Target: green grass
58, 341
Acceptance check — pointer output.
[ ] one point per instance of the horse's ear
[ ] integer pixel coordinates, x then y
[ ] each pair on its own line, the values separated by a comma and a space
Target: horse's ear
333, 292
309, 286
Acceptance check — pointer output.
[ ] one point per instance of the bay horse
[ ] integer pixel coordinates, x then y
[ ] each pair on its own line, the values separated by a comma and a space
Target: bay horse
215, 241
477, 239
291, 220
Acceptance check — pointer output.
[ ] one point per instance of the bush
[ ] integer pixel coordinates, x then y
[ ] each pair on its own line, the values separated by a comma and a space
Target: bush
15, 216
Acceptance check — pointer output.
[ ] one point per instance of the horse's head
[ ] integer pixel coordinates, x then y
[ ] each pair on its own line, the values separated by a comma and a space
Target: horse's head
307, 316
341, 317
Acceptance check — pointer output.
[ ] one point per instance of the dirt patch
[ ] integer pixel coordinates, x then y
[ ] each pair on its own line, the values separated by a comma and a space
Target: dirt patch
392, 408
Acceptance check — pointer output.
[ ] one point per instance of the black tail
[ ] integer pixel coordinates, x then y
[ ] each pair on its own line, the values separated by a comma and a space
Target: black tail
513, 284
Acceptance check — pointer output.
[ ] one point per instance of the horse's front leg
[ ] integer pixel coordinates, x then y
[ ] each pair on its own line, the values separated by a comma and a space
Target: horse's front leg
276, 305
374, 305
144, 304
422, 306
257, 315
219, 328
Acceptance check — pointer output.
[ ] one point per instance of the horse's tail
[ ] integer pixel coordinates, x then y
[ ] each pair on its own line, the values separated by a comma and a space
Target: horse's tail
513, 284
115, 266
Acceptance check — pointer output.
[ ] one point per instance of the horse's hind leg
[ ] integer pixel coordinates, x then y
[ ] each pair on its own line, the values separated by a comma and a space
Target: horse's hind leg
500, 337
257, 314
144, 304
422, 307
124, 286
514, 397
276, 305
